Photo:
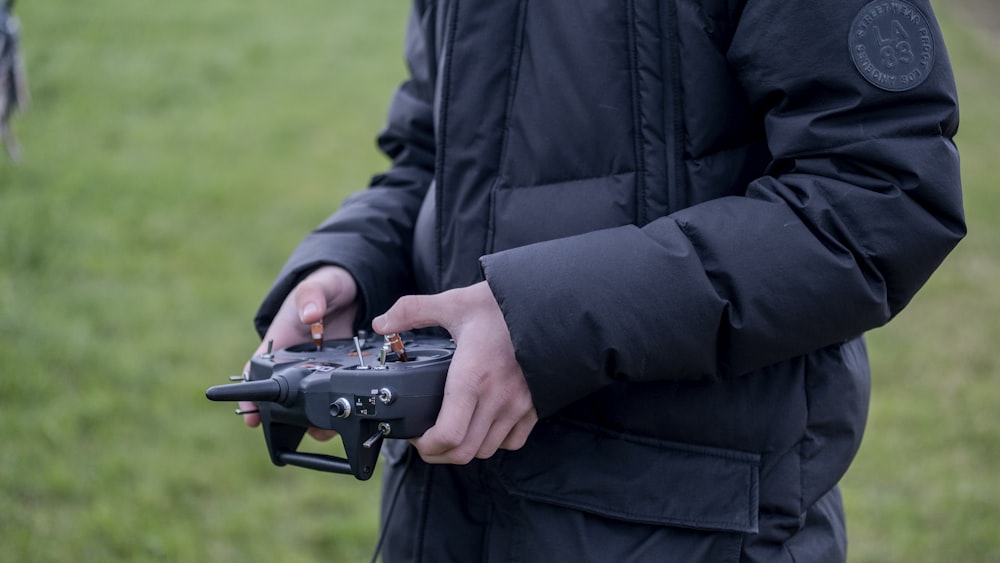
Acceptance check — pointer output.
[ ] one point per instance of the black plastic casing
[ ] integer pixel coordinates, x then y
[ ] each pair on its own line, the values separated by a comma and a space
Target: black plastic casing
397, 400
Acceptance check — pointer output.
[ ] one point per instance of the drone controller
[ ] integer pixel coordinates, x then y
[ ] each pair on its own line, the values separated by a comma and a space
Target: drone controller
362, 390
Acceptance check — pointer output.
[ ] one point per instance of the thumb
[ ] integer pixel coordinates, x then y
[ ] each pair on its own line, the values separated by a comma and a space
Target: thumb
310, 302
415, 311
328, 289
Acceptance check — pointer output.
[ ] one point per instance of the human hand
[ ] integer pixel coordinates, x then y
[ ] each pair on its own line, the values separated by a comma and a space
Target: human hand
328, 294
487, 405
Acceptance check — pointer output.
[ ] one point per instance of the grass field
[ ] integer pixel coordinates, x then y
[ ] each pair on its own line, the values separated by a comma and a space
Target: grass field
175, 154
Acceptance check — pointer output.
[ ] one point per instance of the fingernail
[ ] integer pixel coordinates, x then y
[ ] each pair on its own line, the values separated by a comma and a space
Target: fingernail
379, 323
309, 309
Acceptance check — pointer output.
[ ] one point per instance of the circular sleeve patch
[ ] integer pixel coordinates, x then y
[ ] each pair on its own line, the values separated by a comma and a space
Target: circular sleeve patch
892, 45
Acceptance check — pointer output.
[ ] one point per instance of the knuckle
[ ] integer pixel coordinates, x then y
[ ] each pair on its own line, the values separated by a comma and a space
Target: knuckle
515, 440
461, 456
523, 404
411, 306
476, 379
406, 308
450, 439
485, 453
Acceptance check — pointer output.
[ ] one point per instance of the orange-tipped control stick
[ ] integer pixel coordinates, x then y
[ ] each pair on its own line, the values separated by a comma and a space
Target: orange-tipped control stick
396, 345
317, 334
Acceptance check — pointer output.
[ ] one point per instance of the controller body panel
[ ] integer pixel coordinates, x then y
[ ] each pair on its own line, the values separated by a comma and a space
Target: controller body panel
332, 388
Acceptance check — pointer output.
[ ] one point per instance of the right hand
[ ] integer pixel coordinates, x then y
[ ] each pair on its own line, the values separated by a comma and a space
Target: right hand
329, 293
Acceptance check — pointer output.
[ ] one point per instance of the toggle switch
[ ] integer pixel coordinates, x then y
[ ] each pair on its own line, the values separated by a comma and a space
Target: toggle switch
383, 431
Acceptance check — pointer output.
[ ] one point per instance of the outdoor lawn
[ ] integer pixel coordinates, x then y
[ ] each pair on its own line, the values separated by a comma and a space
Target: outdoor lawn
176, 152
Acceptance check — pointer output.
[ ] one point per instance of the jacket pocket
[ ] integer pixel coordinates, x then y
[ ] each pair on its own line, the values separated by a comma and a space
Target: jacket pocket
634, 479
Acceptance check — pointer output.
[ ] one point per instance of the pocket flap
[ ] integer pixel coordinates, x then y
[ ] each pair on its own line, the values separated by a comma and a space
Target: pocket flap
636, 479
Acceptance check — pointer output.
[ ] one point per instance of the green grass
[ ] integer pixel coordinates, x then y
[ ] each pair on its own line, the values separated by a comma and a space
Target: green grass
175, 154
926, 484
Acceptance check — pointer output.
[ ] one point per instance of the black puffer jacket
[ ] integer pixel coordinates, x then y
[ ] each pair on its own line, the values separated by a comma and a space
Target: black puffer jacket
689, 212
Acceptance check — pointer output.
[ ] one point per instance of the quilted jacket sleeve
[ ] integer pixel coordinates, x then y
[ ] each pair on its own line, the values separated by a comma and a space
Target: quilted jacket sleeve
862, 202
371, 234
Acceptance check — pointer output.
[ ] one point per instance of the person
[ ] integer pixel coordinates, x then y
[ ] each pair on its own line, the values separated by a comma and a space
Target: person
657, 232
14, 94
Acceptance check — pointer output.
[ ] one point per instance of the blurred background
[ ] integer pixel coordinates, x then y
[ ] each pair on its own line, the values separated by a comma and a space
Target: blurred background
176, 152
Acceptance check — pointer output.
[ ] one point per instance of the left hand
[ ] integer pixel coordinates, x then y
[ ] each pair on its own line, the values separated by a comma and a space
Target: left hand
487, 405
328, 294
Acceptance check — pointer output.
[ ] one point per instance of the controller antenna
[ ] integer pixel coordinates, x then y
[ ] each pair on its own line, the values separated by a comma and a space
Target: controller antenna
255, 391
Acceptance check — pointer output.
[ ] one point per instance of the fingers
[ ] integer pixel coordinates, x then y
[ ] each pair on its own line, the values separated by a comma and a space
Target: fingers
405, 314
327, 289
251, 419
422, 311
321, 435
503, 419
328, 294
478, 414
511, 431
518, 435
445, 443
456, 435
487, 404
310, 302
